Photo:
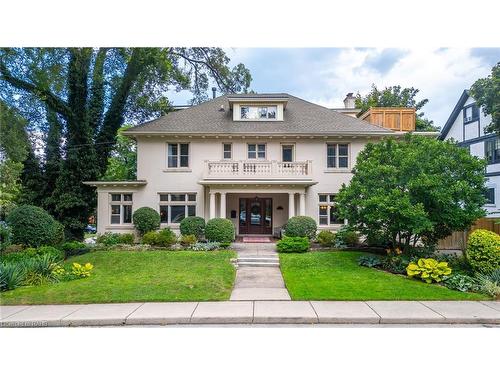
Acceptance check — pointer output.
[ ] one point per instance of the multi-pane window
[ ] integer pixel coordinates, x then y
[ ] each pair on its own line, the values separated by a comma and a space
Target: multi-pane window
328, 211
227, 150
176, 206
258, 112
490, 195
287, 153
492, 150
257, 151
121, 208
178, 155
337, 155
471, 113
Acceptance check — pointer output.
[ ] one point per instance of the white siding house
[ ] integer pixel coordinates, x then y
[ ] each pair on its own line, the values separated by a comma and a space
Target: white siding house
466, 126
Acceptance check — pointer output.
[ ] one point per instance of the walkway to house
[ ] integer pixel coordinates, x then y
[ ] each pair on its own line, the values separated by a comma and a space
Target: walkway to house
258, 276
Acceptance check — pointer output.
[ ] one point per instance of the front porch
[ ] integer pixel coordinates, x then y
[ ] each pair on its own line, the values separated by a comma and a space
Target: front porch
253, 209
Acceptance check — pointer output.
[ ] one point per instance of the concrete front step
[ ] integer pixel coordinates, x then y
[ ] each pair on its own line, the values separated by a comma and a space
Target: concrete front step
257, 264
259, 259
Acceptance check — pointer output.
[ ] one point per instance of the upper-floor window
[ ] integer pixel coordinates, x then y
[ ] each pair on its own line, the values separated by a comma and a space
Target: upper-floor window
471, 113
258, 112
178, 155
227, 150
492, 150
256, 151
337, 155
121, 208
490, 195
287, 153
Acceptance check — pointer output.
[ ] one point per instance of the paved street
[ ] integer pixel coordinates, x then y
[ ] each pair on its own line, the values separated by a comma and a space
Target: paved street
254, 312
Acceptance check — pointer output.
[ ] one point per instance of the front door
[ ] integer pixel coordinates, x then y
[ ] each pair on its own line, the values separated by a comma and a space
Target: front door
255, 216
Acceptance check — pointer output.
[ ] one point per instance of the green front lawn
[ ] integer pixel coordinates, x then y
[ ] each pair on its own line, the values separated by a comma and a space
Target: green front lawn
337, 276
123, 276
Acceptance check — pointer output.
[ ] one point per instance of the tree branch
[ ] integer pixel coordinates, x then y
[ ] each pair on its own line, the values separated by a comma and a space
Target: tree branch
55, 103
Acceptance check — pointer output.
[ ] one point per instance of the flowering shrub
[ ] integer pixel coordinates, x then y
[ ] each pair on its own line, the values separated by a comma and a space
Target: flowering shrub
205, 246
428, 269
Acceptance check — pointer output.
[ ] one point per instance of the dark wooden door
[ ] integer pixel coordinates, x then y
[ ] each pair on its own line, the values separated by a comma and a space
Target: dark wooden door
255, 215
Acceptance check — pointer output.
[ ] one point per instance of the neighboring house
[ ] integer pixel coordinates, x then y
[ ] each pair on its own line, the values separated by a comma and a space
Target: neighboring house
466, 126
256, 159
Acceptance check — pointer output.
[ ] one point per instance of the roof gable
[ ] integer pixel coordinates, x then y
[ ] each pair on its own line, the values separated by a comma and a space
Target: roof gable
454, 114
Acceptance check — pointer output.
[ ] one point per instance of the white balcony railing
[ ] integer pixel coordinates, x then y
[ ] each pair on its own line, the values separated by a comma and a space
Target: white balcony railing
241, 169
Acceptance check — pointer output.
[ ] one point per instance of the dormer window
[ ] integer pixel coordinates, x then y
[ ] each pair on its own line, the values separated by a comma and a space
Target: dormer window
258, 112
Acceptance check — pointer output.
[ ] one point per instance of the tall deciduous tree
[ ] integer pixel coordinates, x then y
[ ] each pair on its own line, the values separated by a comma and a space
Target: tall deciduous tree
486, 91
411, 189
93, 91
396, 96
122, 164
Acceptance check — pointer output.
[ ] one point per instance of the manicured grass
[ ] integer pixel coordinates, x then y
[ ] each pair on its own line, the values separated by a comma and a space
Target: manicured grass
337, 276
122, 276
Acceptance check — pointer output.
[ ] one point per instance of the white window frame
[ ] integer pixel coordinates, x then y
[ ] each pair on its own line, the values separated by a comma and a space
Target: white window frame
121, 203
258, 109
178, 166
337, 156
257, 151
329, 204
169, 203
224, 151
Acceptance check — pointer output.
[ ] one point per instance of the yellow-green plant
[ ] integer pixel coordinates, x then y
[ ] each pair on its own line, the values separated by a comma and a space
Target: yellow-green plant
81, 271
59, 271
428, 269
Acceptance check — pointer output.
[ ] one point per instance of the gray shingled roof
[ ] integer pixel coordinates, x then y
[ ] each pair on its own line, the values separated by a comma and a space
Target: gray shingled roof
300, 117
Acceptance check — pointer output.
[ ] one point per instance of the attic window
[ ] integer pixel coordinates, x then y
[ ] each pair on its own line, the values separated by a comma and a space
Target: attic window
258, 112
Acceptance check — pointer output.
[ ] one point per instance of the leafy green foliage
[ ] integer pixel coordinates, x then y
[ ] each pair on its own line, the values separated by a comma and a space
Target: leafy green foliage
428, 270
411, 189
395, 96
395, 264
193, 225
346, 237
187, 240
163, 238
81, 271
486, 92
369, 261
483, 250
111, 238
5, 235
11, 275
219, 230
39, 269
146, 219
33, 226
293, 245
301, 226
122, 164
55, 253
490, 283
74, 248
205, 246
326, 238
461, 282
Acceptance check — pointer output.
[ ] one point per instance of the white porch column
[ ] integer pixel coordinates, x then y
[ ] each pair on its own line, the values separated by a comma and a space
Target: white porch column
223, 205
302, 204
212, 205
291, 205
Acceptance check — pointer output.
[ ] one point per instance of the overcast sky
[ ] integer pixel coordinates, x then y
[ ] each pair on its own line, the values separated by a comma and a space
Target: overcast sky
325, 75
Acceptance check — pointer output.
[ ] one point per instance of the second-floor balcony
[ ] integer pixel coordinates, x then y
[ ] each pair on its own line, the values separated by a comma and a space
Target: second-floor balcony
247, 169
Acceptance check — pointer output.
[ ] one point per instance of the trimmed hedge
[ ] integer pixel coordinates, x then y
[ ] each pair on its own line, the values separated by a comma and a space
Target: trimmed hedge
194, 225
146, 219
483, 251
219, 230
326, 238
33, 226
163, 238
293, 245
301, 226
74, 248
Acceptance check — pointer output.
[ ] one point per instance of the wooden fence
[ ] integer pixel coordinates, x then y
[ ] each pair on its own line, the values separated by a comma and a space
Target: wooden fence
399, 119
458, 240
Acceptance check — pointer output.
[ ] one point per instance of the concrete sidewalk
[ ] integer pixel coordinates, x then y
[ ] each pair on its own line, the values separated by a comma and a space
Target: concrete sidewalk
253, 312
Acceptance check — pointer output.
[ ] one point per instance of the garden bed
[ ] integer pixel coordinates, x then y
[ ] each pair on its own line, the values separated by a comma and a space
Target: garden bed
336, 275
132, 276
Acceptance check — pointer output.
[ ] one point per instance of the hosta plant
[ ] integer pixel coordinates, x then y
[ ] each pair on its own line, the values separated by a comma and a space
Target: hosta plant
461, 282
428, 269
369, 261
81, 271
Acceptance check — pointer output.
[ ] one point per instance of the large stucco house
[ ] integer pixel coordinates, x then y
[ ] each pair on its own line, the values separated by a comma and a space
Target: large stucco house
466, 125
256, 159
